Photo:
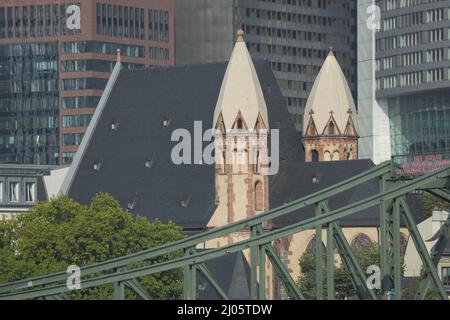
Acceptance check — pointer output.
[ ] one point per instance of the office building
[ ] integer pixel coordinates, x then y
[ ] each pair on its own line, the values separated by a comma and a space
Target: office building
55, 60
403, 78
293, 35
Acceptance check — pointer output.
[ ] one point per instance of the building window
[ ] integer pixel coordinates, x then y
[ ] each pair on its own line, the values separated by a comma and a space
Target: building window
30, 191
361, 242
1, 191
446, 276
331, 129
314, 156
259, 196
14, 192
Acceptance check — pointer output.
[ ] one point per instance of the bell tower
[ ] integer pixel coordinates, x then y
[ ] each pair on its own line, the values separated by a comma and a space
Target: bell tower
329, 128
241, 127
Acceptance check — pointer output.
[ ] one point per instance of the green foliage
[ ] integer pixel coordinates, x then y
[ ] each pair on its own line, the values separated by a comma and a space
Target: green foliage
430, 203
62, 232
344, 289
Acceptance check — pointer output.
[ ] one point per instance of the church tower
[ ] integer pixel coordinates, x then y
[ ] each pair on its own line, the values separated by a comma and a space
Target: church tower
241, 158
330, 131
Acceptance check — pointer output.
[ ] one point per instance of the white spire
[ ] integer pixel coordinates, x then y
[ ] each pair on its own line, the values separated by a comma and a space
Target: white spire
330, 95
241, 90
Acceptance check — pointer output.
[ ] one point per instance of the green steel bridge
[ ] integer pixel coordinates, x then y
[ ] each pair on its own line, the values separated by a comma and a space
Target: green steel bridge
393, 207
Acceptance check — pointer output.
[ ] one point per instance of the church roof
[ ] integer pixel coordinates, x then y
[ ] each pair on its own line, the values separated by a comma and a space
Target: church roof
330, 95
138, 102
296, 180
132, 162
241, 90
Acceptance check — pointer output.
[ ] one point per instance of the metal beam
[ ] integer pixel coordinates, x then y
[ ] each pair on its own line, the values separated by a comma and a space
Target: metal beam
253, 266
319, 255
357, 275
138, 289
289, 284
436, 254
396, 247
190, 278
203, 237
333, 216
212, 280
330, 263
429, 267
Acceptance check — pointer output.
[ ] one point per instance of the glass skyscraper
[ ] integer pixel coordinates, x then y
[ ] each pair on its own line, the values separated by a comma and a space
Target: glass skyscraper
293, 35
410, 62
55, 61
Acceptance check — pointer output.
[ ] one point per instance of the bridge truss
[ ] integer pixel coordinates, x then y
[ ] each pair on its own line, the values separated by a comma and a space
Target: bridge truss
391, 200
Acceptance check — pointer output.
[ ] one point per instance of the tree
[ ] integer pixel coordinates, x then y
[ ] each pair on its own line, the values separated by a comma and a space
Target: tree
62, 232
366, 256
431, 202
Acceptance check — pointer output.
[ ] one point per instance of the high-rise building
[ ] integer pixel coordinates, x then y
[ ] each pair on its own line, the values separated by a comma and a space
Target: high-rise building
55, 60
403, 77
293, 35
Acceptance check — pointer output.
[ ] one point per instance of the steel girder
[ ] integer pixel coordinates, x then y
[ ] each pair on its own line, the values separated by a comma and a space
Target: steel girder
438, 179
193, 241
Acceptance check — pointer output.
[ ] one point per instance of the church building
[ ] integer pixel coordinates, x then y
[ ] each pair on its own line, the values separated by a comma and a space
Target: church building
129, 147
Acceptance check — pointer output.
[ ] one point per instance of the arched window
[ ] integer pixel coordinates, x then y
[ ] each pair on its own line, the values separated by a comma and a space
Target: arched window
327, 156
361, 241
314, 156
331, 129
349, 154
336, 156
311, 248
259, 196
240, 124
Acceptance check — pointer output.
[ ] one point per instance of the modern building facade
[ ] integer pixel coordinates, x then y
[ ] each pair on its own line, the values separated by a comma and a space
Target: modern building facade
23, 186
55, 60
293, 35
403, 77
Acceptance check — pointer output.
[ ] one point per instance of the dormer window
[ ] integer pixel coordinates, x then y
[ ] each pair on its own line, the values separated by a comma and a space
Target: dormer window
30, 191
115, 126
148, 163
166, 122
14, 192
131, 204
96, 166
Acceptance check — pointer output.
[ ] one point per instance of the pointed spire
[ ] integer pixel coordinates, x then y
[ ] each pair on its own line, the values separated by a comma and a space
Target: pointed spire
330, 51
330, 94
240, 36
119, 57
241, 92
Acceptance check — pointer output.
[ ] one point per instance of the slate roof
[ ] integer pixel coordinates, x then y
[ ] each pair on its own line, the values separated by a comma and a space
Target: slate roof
139, 102
232, 273
301, 176
142, 99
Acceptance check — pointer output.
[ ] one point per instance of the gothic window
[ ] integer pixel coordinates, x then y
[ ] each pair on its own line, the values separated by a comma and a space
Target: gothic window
327, 156
336, 156
259, 196
311, 248
314, 156
331, 129
240, 124
361, 241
